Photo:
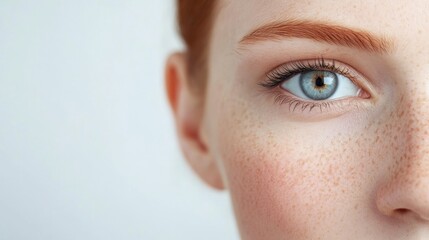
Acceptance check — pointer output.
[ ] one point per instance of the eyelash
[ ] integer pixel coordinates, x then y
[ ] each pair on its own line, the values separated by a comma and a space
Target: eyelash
283, 73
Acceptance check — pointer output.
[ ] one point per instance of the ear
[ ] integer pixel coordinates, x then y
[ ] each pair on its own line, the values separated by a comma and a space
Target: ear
188, 114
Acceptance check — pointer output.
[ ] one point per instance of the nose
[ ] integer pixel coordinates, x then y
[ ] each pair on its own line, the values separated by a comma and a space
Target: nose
405, 199
405, 192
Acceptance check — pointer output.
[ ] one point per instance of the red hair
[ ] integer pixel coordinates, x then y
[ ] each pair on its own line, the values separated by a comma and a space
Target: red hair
195, 20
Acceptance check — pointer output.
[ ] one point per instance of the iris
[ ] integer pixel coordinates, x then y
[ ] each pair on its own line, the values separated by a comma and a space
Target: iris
318, 85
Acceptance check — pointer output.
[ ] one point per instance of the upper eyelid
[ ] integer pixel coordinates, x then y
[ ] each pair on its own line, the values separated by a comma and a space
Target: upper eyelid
316, 63
331, 64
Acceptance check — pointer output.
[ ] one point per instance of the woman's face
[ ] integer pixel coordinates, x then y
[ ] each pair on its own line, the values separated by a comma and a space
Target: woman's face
320, 123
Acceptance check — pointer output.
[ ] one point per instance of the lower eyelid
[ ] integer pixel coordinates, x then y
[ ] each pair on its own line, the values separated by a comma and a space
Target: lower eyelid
295, 103
328, 107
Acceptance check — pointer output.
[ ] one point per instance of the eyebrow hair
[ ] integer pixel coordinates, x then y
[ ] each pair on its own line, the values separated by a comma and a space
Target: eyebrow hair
333, 34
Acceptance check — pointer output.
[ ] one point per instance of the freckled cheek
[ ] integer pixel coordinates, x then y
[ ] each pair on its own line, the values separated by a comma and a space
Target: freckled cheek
284, 181
270, 192
273, 185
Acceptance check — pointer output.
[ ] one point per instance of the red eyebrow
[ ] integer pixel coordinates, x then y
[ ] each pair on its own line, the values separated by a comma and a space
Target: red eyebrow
323, 32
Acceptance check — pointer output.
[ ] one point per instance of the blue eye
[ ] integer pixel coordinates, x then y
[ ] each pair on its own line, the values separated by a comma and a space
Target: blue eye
320, 85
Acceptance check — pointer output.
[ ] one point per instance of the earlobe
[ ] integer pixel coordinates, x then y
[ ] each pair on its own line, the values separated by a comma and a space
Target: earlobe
188, 109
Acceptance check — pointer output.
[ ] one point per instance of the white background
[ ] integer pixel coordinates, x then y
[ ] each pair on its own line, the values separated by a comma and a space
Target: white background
87, 144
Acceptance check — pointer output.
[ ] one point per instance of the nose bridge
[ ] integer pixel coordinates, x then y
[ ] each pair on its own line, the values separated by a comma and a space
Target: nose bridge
408, 187
417, 105
415, 110
414, 103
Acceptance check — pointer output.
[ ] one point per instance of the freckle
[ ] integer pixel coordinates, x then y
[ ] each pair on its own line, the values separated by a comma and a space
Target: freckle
417, 184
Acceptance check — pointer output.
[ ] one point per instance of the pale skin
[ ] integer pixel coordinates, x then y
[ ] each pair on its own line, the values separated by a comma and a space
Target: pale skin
358, 169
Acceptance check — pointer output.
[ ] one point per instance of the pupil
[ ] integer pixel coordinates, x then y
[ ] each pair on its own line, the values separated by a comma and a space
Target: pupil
319, 82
